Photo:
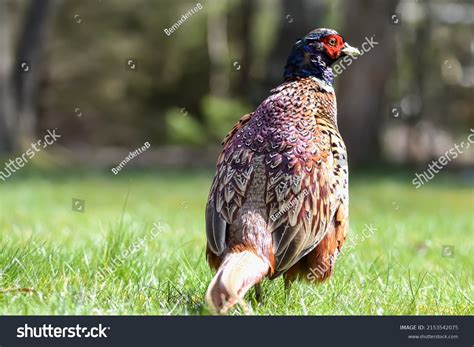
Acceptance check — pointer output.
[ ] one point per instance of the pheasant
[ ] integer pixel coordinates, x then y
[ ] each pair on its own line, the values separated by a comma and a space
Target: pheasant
278, 203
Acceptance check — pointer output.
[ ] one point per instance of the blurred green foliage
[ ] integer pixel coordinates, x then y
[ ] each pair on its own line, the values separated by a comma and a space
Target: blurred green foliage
224, 59
219, 116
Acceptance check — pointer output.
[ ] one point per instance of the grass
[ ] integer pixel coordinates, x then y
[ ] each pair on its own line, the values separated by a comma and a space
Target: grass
57, 261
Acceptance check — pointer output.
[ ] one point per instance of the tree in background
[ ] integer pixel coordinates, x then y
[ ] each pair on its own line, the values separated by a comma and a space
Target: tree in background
6, 90
190, 87
363, 88
20, 72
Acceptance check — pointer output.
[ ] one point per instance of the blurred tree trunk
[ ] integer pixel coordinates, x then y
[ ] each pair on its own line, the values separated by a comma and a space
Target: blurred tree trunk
247, 9
218, 49
6, 96
37, 24
421, 59
362, 102
297, 19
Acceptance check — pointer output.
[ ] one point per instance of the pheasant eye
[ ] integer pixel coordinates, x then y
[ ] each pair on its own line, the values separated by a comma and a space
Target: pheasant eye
332, 41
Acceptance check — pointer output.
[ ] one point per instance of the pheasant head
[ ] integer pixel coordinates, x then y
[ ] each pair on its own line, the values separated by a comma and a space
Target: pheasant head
314, 54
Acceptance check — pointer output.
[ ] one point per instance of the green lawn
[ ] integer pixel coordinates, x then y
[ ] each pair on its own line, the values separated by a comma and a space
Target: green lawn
50, 255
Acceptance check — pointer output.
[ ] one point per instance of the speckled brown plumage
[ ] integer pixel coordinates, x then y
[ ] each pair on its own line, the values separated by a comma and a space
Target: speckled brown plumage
292, 139
281, 185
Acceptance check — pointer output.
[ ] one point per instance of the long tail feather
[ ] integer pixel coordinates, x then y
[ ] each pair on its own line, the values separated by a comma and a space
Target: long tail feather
236, 275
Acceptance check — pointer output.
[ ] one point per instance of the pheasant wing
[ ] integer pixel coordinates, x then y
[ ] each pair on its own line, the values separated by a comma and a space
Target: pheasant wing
228, 189
298, 196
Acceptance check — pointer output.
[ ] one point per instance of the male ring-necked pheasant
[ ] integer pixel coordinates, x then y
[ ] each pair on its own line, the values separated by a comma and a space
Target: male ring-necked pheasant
279, 200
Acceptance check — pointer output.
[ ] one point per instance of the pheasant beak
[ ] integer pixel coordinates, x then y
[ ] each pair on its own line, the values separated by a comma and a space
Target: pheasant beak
350, 51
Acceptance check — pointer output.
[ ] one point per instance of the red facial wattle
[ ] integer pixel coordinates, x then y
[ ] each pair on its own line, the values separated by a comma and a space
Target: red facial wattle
334, 50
